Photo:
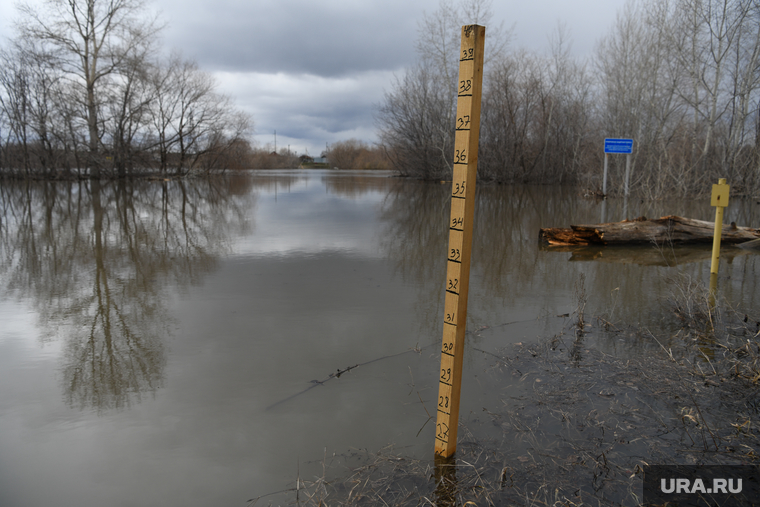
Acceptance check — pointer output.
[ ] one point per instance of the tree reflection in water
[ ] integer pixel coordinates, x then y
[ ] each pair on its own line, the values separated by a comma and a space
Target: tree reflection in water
96, 259
511, 273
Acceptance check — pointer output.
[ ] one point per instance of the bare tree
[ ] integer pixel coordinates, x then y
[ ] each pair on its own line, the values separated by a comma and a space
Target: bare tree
188, 117
640, 80
744, 81
680, 76
417, 118
81, 88
536, 116
28, 83
128, 110
92, 39
508, 119
14, 80
414, 121
224, 144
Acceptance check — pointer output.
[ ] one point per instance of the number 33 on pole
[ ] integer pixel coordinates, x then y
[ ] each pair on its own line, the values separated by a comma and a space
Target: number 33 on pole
460, 237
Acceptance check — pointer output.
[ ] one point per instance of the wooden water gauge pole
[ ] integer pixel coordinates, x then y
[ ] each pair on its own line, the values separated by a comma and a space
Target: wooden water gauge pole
469, 89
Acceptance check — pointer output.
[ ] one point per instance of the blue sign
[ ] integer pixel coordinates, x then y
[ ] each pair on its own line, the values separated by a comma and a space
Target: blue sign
618, 146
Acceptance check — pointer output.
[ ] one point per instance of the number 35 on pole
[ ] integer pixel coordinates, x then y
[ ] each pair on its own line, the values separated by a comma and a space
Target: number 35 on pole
460, 237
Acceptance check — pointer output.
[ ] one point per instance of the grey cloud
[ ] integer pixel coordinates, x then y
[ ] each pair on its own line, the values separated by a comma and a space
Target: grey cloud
309, 107
320, 38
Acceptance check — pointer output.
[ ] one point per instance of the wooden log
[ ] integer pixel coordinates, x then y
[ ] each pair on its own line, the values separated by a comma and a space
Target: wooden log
670, 229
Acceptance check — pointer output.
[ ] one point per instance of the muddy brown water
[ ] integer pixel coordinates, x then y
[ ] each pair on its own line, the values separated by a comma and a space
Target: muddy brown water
163, 342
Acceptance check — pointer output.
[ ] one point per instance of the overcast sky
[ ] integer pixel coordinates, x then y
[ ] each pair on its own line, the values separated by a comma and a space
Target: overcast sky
315, 70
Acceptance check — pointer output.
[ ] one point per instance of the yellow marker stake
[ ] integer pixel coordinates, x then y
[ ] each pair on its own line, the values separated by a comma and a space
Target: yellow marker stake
719, 200
460, 236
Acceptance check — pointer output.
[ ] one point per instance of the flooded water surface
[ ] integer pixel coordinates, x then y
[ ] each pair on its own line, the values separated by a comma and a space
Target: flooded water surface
205, 342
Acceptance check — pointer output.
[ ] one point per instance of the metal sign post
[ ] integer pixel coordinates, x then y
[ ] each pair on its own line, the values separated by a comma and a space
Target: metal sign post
460, 237
623, 146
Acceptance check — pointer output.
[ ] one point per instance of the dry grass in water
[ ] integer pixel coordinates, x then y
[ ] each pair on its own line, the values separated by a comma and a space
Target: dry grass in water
575, 426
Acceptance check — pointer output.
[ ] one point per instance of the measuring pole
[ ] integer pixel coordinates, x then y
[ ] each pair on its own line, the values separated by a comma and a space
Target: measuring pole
460, 236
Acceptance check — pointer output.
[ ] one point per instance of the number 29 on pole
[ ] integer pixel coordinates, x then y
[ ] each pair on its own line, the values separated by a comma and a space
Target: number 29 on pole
469, 89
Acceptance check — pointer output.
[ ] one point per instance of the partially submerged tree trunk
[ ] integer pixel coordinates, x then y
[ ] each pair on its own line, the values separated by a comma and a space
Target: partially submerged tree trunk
753, 245
669, 229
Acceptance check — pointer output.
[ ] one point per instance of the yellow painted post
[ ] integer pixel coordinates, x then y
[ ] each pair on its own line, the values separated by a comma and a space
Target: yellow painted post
719, 200
460, 237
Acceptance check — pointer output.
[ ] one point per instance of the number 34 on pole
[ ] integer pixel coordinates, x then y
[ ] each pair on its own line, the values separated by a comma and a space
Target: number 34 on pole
460, 237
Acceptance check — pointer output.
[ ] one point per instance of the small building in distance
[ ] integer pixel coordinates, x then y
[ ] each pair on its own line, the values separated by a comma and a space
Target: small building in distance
308, 162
